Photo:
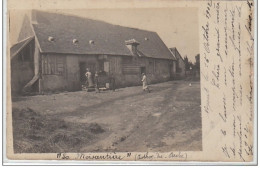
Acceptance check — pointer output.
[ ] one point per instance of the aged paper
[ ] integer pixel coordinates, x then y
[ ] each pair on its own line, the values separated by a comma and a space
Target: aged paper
224, 36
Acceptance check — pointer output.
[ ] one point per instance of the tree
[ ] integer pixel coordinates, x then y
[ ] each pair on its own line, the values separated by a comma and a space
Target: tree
186, 62
197, 63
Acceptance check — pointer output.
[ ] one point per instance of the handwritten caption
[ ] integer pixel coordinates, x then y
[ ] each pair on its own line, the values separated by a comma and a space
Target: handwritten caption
147, 156
227, 78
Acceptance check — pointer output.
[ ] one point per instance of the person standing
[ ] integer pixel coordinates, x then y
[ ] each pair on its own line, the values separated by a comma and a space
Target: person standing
89, 78
96, 82
144, 80
113, 82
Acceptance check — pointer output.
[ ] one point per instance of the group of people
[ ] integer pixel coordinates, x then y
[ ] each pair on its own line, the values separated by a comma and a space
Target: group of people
96, 82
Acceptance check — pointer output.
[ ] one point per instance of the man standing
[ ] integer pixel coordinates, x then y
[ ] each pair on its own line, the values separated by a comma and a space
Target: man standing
145, 86
112, 82
96, 82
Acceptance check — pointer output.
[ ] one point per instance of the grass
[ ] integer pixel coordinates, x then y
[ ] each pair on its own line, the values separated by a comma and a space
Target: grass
35, 133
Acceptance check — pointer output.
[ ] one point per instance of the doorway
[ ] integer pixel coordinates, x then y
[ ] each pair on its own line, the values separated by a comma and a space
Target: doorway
143, 70
82, 69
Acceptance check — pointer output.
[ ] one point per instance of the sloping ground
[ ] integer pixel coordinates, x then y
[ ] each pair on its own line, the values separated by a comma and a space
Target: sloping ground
167, 119
35, 133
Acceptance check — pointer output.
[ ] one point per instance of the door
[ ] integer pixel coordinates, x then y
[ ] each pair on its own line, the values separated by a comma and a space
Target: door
143, 70
91, 67
106, 67
82, 69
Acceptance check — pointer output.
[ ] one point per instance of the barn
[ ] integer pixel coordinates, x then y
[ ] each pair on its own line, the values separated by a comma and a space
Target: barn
54, 50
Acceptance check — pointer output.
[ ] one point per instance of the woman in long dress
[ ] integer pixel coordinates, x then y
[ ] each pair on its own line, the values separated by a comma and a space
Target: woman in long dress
89, 78
144, 80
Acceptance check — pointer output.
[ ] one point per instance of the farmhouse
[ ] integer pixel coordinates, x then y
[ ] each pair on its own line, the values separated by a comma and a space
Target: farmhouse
54, 50
180, 64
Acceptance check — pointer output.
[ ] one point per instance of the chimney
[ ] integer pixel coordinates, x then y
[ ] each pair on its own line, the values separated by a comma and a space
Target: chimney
132, 46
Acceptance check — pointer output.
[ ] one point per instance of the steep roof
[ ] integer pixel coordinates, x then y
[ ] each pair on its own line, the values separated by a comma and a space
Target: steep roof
16, 48
92, 36
175, 52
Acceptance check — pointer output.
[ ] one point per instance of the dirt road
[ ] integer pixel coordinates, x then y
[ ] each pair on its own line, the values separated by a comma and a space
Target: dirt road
167, 119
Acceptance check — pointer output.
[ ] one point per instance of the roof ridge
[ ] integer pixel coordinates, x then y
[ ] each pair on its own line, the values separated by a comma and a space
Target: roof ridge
30, 37
24, 43
87, 18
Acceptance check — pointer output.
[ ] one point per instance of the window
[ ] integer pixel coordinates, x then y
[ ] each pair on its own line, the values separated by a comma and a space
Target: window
106, 66
53, 65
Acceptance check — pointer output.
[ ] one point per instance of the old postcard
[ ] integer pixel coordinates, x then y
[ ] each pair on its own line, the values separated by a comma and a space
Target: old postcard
148, 81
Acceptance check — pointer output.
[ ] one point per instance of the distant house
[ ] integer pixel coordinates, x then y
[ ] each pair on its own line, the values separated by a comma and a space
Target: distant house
54, 51
197, 63
180, 64
22, 64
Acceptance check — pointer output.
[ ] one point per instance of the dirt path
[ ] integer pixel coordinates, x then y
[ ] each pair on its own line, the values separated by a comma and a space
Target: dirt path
166, 119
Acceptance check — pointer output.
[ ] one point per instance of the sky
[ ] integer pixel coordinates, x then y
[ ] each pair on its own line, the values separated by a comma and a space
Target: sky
177, 27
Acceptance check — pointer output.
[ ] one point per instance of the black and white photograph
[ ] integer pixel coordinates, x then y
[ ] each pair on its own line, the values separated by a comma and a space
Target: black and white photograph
155, 82
107, 80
